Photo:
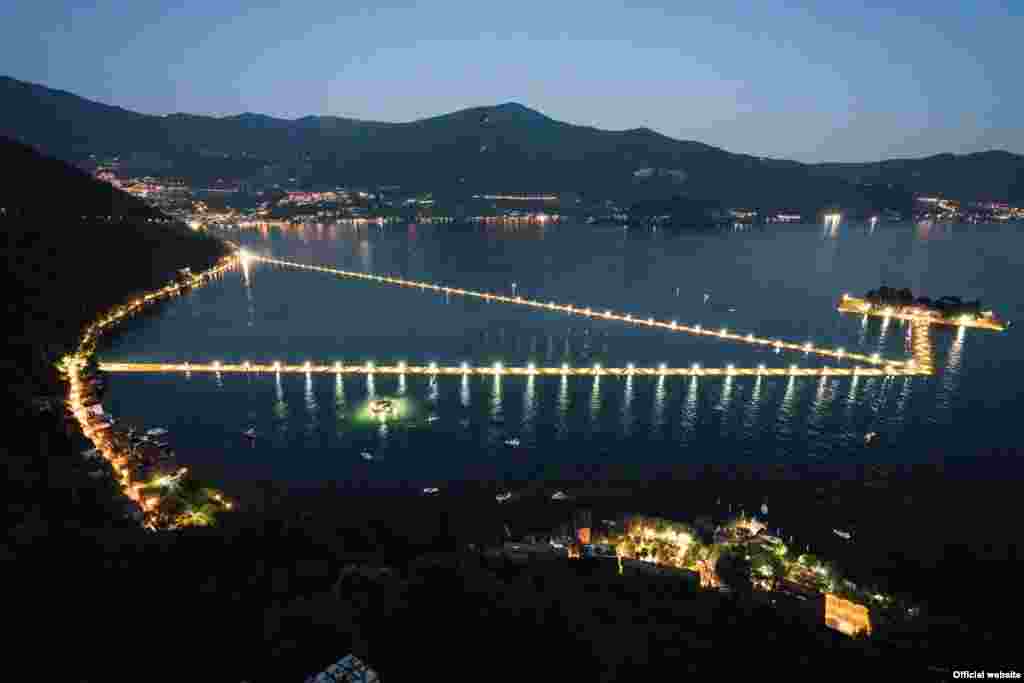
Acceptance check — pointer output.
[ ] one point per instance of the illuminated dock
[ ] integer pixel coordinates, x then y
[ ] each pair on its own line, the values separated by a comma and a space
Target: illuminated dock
851, 304
503, 370
598, 313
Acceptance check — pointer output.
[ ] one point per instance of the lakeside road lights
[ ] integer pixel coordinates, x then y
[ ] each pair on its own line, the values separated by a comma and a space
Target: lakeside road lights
662, 368
337, 366
465, 367
695, 368
760, 368
497, 369
277, 366
630, 368
531, 368
433, 367
597, 369
307, 366
730, 369
401, 366
369, 366
565, 368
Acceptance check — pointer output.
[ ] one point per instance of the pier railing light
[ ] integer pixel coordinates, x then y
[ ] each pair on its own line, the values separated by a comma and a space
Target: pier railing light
369, 366
216, 364
695, 367
674, 324
662, 368
497, 368
698, 328
465, 366
433, 366
760, 367
731, 368
337, 366
597, 367
401, 366
792, 369
277, 365
307, 365
630, 367
531, 368
565, 368
724, 331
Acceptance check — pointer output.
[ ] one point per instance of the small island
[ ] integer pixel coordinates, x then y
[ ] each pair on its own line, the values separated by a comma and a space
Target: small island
901, 303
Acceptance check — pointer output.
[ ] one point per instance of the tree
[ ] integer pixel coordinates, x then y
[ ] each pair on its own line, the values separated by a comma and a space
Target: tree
733, 569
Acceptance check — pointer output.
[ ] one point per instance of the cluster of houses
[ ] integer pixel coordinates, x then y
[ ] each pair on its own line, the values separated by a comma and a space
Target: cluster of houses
142, 463
799, 587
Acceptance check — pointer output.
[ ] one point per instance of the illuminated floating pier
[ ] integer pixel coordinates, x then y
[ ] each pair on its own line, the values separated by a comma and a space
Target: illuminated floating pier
502, 370
589, 312
851, 304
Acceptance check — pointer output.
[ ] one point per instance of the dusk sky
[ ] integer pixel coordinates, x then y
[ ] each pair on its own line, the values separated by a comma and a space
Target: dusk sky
829, 81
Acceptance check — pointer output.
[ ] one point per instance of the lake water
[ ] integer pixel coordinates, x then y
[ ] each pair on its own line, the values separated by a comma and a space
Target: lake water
776, 281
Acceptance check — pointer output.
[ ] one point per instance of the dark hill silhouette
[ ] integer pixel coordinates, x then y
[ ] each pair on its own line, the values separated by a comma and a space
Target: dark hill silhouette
507, 147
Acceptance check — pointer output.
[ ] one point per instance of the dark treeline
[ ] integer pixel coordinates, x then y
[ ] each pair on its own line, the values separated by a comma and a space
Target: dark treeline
949, 306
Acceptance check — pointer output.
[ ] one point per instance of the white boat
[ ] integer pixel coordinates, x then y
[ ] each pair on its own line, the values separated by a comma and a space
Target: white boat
433, 418
514, 443
250, 432
559, 495
843, 534
870, 436
156, 431
366, 455
431, 490
502, 497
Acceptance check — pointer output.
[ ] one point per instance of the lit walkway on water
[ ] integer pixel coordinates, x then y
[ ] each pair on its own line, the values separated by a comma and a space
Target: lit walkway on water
892, 367
502, 370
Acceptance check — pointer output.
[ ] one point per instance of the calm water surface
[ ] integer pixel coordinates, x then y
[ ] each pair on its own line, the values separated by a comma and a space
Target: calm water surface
780, 281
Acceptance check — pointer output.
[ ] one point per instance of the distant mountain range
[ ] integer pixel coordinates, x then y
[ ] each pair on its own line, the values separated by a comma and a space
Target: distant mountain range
508, 147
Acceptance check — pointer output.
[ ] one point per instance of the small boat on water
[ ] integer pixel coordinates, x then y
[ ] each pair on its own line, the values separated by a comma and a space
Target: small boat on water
559, 495
871, 437
156, 431
842, 534
431, 490
464, 422
432, 418
502, 497
514, 443
382, 407
366, 455
250, 432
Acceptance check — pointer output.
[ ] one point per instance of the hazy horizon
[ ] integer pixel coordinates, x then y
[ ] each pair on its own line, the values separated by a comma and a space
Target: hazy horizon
815, 83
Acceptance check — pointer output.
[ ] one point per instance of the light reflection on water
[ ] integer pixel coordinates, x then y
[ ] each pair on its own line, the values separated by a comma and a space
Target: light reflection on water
563, 407
689, 417
529, 408
766, 417
627, 406
658, 414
